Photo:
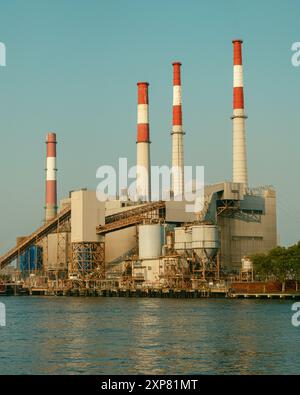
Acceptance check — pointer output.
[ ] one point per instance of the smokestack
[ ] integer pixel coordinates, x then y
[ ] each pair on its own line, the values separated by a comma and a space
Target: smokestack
143, 176
51, 188
239, 135
177, 135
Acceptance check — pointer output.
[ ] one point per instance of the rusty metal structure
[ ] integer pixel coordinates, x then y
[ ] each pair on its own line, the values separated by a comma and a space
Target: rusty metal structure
132, 217
50, 227
88, 260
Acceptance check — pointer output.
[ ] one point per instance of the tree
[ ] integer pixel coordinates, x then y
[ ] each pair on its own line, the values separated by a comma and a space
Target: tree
294, 258
261, 265
280, 262
280, 265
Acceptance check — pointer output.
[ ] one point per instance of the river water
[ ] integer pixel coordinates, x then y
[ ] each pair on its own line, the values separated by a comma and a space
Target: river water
69, 335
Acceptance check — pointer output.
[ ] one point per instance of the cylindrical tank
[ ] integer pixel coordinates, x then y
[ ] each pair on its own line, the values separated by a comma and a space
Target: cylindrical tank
150, 241
188, 238
179, 244
183, 239
247, 264
205, 240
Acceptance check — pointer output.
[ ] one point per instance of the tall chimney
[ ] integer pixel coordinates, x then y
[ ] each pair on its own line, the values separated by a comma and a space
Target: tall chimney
143, 176
177, 135
239, 135
51, 188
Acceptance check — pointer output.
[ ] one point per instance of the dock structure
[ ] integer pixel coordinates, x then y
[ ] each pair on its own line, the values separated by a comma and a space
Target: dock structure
281, 295
109, 289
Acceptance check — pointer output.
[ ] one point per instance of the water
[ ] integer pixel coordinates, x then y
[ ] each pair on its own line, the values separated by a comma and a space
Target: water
57, 335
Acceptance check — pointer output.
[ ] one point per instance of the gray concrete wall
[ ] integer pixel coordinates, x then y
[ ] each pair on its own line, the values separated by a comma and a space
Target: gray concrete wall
119, 243
87, 214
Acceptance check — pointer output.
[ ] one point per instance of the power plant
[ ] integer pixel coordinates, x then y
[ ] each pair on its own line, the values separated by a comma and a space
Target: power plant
87, 245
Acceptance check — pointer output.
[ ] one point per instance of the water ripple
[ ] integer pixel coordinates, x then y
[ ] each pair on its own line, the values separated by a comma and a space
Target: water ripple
147, 336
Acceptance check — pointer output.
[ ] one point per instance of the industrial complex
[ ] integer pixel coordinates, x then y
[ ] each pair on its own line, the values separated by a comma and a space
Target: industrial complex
88, 245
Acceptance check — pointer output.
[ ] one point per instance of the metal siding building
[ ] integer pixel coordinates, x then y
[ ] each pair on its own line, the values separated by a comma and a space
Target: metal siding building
241, 238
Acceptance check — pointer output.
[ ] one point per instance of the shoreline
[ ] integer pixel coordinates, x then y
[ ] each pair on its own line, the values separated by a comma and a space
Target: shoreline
153, 293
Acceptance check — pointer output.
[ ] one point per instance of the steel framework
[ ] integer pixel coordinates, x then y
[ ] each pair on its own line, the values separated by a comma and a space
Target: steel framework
205, 269
88, 260
175, 274
231, 209
132, 217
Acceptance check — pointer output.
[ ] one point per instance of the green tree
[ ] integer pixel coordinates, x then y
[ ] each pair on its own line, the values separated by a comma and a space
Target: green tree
294, 258
282, 263
261, 265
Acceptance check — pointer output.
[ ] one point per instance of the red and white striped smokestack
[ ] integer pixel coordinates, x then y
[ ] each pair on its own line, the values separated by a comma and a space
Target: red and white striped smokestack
51, 186
240, 173
177, 135
143, 176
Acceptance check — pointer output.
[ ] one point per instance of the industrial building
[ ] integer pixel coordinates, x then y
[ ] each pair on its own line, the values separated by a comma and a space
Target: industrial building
152, 244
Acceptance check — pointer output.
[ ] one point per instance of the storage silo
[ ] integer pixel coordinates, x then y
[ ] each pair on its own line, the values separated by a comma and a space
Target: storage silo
183, 239
205, 240
247, 264
151, 240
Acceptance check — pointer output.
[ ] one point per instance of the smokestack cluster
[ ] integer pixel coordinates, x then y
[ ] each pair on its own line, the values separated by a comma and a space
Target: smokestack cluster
143, 178
239, 135
143, 175
51, 186
177, 135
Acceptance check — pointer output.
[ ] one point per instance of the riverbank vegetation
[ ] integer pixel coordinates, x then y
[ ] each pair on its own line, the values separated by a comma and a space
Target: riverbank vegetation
281, 263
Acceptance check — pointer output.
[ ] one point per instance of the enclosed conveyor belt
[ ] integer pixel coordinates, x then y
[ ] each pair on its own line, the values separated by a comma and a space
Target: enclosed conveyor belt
131, 217
41, 232
113, 222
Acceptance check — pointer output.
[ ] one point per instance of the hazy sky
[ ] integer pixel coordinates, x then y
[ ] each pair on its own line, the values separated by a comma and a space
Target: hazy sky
72, 68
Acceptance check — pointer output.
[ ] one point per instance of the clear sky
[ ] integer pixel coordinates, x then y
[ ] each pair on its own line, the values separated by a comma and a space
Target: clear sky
72, 68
